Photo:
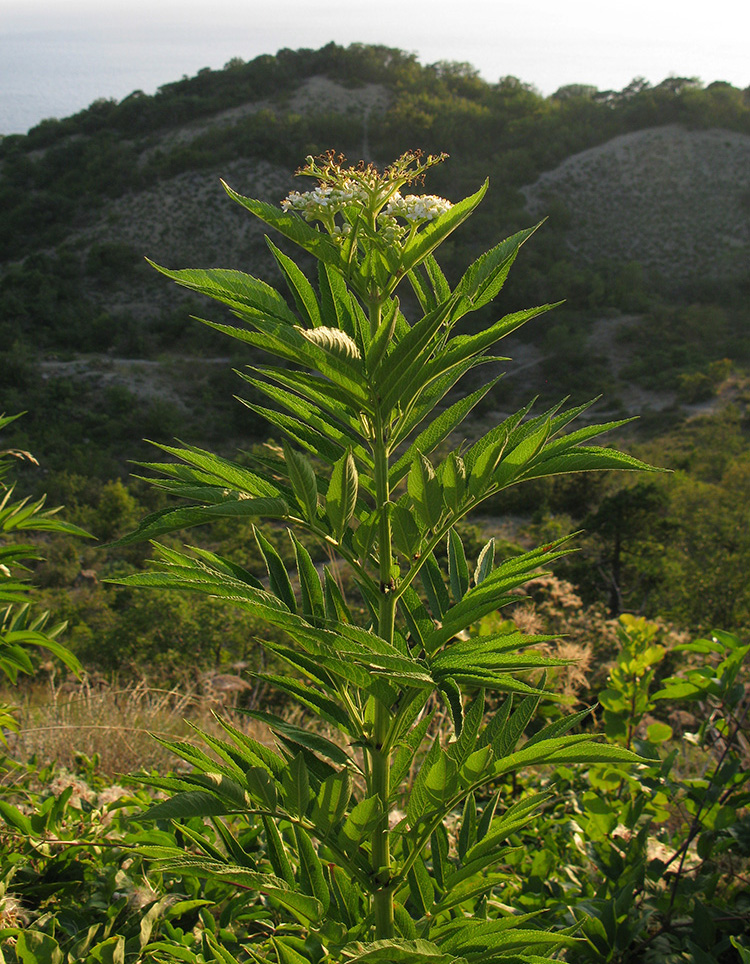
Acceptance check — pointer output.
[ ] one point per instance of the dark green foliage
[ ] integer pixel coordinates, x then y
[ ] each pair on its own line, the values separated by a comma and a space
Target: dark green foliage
675, 547
55, 178
71, 841
22, 630
688, 348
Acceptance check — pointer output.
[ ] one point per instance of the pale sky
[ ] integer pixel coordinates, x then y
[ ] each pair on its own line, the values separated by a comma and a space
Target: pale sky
73, 51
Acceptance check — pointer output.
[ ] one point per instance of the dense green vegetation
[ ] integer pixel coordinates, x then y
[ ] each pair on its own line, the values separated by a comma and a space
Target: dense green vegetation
665, 847
692, 342
57, 178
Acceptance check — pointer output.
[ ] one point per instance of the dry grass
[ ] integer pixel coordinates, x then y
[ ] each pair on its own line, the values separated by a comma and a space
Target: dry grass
115, 724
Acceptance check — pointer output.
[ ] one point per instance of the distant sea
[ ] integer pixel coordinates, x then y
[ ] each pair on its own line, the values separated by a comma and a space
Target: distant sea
45, 78
54, 68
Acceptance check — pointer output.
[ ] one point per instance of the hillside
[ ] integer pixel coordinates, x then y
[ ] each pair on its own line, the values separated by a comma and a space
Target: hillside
393, 611
675, 200
646, 192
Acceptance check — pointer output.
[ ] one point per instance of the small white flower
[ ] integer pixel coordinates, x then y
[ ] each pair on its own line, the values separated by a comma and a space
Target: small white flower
324, 200
417, 207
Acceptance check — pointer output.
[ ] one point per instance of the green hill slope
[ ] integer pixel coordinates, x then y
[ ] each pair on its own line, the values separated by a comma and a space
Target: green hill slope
647, 192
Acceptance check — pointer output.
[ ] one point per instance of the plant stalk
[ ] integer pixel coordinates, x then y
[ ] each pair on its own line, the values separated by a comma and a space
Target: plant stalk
381, 755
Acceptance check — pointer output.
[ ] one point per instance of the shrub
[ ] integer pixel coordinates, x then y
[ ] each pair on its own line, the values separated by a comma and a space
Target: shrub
353, 859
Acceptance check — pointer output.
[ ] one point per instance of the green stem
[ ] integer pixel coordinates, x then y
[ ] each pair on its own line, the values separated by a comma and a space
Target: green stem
438, 535
356, 871
380, 754
347, 554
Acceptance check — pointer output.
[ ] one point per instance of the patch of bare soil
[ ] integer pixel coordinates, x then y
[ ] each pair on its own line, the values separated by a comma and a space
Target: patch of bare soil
188, 220
672, 199
148, 379
324, 95
316, 94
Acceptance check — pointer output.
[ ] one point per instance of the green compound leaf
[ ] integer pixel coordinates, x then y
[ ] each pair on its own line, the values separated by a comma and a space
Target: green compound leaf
441, 781
492, 593
336, 300
429, 284
479, 940
311, 876
302, 736
438, 281
338, 431
336, 608
485, 562
295, 782
453, 478
466, 742
344, 897
293, 227
516, 459
301, 289
313, 605
204, 467
235, 289
278, 577
570, 749
398, 951
383, 340
359, 823
421, 888
172, 520
483, 280
399, 366
458, 569
277, 852
435, 588
452, 694
286, 954
332, 800
475, 765
406, 535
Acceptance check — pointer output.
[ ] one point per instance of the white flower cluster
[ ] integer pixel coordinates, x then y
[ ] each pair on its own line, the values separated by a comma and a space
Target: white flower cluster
417, 207
325, 200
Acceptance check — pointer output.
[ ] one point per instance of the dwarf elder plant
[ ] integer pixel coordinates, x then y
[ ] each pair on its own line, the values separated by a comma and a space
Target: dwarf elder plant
345, 858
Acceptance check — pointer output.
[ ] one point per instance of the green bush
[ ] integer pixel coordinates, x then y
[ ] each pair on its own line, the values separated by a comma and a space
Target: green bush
355, 856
